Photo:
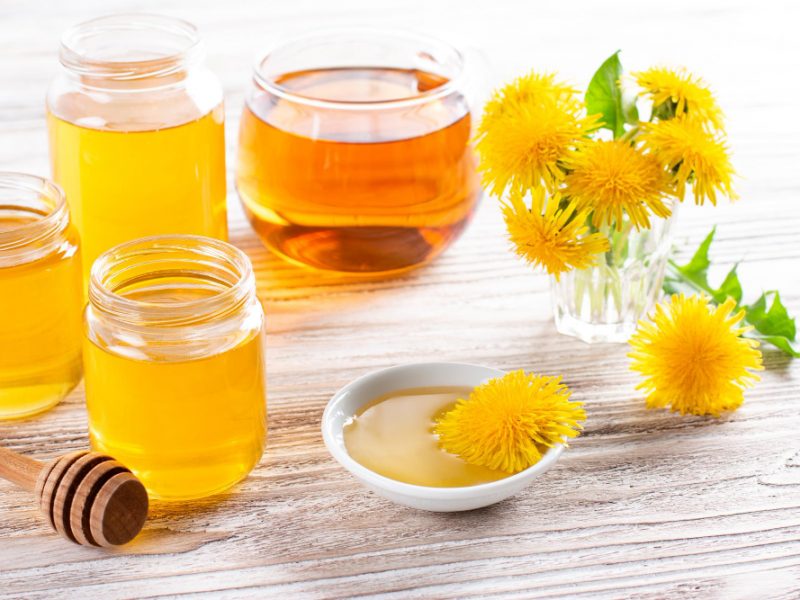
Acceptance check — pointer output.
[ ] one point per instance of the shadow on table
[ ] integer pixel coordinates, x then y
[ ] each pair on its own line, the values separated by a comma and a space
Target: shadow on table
278, 279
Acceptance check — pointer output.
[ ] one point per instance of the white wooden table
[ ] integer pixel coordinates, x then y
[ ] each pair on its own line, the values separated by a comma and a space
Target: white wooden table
645, 504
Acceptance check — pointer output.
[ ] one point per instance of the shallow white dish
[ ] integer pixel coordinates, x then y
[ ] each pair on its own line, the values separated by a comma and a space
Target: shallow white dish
348, 400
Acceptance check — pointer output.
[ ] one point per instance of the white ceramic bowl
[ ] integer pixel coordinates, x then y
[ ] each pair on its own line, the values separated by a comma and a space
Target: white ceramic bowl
347, 401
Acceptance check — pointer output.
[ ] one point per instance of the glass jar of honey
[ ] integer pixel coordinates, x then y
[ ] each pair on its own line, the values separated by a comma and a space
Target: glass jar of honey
174, 363
354, 151
136, 132
40, 296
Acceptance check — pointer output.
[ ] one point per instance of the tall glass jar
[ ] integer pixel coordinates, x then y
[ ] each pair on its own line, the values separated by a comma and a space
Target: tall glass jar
354, 151
605, 303
174, 361
136, 132
40, 296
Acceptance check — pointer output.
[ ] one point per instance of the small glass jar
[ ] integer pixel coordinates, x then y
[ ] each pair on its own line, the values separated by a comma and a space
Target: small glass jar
604, 303
174, 362
40, 296
136, 125
354, 151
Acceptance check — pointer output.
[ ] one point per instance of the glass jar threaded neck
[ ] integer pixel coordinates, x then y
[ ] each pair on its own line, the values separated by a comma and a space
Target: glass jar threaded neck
33, 217
130, 48
172, 297
171, 281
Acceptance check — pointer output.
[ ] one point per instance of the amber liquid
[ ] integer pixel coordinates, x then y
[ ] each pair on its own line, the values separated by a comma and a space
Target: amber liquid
40, 328
375, 189
393, 436
186, 428
126, 184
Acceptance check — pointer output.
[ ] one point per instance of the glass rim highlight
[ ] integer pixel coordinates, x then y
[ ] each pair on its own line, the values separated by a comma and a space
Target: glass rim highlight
52, 212
329, 35
81, 61
114, 270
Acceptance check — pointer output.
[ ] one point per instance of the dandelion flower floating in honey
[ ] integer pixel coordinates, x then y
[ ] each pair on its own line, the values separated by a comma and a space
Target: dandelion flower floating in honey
694, 156
686, 94
551, 236
612, 178
693, 357
507, 423
527, 128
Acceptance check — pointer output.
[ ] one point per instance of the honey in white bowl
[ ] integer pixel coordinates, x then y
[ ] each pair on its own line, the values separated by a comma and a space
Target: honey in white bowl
393, 436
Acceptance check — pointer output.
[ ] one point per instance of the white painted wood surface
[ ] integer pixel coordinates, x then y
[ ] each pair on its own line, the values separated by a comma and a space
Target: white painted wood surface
645, 505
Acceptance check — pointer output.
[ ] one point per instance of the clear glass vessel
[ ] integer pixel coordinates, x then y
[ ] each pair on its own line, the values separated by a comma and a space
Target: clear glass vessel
136, 132
40, 296
354, 151
605, 303
174, 361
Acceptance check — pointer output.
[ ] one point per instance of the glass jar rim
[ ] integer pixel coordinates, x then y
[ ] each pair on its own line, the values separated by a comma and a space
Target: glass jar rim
452, 84
82, 61
29, 240
208, 252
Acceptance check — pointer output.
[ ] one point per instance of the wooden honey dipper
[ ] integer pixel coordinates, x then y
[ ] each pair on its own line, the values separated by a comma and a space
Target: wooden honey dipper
89, 498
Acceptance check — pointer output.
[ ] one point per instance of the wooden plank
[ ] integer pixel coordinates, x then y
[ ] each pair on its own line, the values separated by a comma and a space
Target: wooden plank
644, 505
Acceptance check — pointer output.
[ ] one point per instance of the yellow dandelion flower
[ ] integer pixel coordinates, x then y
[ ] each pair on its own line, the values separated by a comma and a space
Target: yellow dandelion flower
693, 357
693, 155
508, 422
612, 178
527, 128
533, 88
551, 236
688, 94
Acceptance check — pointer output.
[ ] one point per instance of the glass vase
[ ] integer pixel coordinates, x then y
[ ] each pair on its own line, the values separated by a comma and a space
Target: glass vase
604, 303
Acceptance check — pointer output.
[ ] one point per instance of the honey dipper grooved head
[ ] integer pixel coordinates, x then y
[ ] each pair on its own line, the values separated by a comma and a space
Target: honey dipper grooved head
92, 499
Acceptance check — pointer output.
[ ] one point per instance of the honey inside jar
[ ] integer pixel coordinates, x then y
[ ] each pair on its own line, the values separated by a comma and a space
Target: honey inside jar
40, 298
218, 402
359, 182
136, 131
124, 185
174, 361
393, 436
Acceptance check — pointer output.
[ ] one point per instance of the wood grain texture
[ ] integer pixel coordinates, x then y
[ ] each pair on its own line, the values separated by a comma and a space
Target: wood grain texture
91, 499
19, 469
644, 505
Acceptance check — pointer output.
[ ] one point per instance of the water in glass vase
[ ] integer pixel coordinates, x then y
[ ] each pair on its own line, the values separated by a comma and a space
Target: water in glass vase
604, 303
351, 178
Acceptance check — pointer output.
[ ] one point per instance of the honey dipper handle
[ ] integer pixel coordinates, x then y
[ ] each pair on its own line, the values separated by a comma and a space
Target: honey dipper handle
19, 469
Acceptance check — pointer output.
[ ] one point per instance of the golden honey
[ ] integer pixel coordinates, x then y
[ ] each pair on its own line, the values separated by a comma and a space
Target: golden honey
40, 297
174, 361
124, 185
357, 169
393, 436
136, 131
217, 401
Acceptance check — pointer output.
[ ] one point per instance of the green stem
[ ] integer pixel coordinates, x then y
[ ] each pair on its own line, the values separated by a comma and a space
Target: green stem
630, 134
619, 243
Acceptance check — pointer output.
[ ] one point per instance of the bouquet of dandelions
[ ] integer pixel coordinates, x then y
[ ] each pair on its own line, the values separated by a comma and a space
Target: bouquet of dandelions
584, 187
587, 187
